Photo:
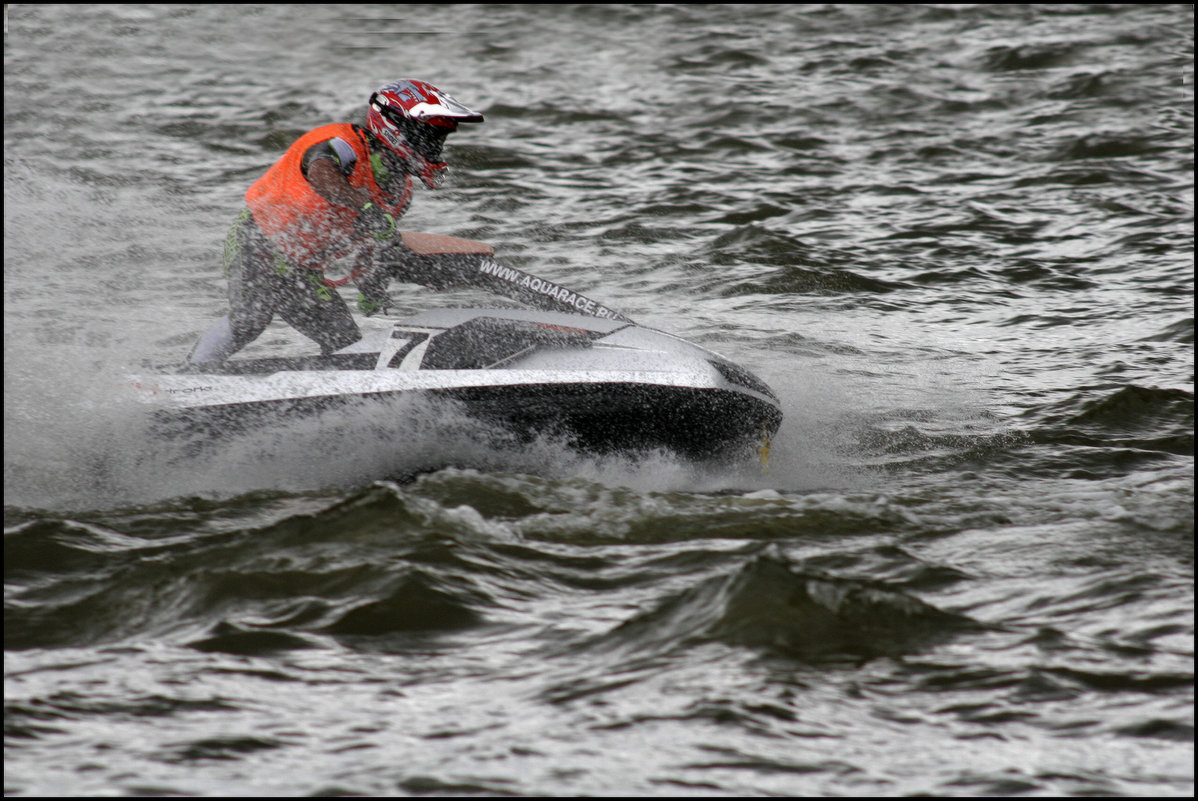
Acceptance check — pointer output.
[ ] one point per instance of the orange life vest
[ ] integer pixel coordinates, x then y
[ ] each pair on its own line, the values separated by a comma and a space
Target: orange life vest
305, 227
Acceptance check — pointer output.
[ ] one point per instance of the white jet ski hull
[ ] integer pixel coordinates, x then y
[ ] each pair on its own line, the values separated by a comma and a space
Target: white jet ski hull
604, 385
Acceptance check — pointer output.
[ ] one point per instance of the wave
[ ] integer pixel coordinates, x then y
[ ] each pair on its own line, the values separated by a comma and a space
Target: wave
769, 605
388, 566
1082, 85
1135, 417
375, 563
1134, 408
1031, 56
799, 267
1181, 331
1107, 146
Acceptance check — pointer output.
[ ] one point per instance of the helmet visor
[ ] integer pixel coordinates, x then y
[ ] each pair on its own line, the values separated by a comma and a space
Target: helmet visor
426, 137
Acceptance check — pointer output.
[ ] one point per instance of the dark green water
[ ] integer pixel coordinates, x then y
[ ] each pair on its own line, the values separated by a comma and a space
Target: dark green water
957, 240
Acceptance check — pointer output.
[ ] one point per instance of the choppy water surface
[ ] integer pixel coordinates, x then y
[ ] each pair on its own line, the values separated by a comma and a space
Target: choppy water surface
956, 239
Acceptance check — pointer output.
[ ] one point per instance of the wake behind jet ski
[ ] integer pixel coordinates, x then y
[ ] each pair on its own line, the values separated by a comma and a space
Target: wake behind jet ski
568, 367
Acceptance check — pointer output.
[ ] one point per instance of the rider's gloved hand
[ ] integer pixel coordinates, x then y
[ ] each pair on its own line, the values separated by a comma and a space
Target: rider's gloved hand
373, 221
371, 307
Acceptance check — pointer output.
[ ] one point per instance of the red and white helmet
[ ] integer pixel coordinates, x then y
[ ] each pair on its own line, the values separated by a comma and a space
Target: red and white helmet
413, 118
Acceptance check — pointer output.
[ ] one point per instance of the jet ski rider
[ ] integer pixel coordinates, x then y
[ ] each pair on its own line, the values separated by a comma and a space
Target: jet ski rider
336, 193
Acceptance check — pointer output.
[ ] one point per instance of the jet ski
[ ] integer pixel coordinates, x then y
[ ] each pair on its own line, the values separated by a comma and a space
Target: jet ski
568, 367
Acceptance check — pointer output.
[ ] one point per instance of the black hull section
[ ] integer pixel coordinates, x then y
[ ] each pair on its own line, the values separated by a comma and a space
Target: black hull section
695, 423
700, 424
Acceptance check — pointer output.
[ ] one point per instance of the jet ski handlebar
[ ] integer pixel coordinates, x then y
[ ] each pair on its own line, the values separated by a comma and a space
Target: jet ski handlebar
448, 262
